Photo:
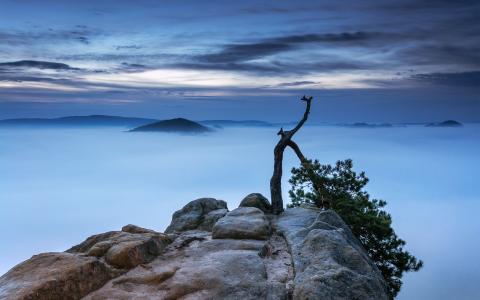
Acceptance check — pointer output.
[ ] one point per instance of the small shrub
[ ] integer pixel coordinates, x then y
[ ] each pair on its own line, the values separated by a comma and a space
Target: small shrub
341, 189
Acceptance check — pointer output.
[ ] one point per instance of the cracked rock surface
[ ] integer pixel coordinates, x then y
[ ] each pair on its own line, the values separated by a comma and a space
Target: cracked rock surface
209, 253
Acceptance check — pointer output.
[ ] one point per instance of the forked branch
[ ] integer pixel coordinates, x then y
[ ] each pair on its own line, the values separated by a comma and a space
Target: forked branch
285, 140
305, 115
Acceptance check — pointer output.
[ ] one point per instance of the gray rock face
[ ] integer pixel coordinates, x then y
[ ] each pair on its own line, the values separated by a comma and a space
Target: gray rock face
242, 223
303, 253
55, 276
256, 200
198, 214
329, 261
195, 266
211, 218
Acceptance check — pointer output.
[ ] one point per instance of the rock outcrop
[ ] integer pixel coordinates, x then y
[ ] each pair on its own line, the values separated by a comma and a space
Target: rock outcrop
198, 214
242, 223
55, 276
124, 249
256, 200
330, 263
84, 267
209, 253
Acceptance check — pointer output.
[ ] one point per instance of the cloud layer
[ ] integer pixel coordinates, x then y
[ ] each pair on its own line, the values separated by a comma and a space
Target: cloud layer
92, 48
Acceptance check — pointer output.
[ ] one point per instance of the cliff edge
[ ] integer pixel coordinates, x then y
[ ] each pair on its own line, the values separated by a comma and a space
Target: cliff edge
208, 252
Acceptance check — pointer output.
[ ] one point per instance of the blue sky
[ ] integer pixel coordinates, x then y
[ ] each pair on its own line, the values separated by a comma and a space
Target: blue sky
397, 61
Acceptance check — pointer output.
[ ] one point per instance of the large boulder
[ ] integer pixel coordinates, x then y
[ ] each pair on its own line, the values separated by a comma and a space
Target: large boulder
198, 214
242, 223
256, 200
329, 261
124, 249
84, 267
55, 276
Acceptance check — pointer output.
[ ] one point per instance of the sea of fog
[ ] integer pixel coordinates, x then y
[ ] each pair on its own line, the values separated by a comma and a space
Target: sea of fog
59, 186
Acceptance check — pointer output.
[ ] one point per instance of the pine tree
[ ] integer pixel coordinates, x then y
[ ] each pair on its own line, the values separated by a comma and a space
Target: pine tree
341, 189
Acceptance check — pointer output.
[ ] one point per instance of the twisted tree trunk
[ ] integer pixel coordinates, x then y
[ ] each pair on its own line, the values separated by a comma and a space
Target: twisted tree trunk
285, 140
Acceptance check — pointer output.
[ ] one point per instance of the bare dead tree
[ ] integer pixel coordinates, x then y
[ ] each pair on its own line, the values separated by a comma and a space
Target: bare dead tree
284, 142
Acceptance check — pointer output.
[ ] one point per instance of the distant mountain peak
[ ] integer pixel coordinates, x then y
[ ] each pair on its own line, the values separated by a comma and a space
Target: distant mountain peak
447, 123
173, 125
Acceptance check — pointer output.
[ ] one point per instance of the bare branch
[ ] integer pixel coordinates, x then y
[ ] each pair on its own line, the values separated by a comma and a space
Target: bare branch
299, 153
305, 116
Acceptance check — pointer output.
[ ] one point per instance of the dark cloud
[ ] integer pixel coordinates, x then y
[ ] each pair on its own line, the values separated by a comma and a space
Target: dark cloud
466, 79
128, 47
404, 6
414, 5
245, 52
249, 67
325, 65
265, 9
328, 37
440, 54
275, 67
128, 67
470, 79
83, 40
74, 82
232, 61
296, 83
36, 64
131, 58
79, 33
249, 51
26, 78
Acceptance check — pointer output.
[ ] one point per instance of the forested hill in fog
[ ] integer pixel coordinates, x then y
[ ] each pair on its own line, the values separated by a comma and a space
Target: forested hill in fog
106, 120
92, 120
134, 122
173, 125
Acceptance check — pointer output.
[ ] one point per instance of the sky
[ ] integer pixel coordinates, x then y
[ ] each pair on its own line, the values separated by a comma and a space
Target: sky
368, 61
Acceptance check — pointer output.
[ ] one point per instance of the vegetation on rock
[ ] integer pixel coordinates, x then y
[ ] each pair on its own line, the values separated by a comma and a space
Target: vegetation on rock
341, 189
